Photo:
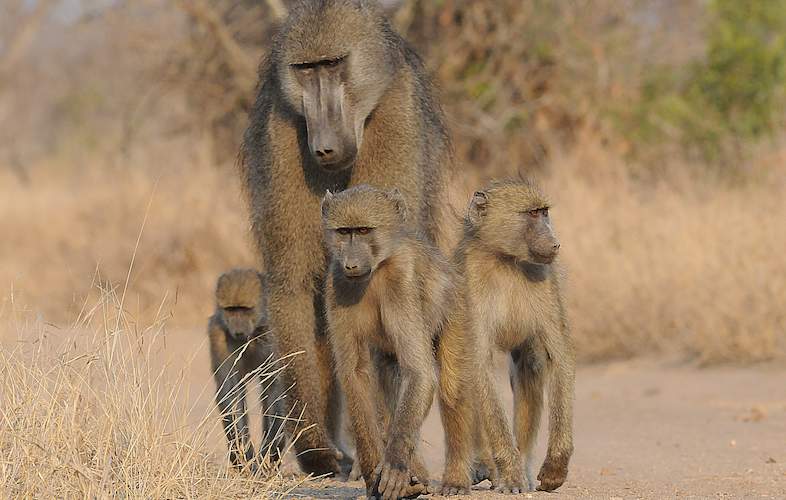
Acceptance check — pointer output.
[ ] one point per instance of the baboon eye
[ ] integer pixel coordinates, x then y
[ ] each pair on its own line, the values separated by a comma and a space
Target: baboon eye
363, 230
343, 230
544, 211
237, 309
533, 213
331, 63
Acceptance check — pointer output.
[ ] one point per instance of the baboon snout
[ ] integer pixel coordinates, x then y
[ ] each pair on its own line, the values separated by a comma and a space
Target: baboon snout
544, 252
331, 151
354, 268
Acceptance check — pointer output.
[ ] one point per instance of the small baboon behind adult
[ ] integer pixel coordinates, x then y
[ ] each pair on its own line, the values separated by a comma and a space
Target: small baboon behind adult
239, 346
511, 281
342, 100
389, 294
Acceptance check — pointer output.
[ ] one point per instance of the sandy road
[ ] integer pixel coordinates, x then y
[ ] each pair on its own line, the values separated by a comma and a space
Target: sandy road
654, 430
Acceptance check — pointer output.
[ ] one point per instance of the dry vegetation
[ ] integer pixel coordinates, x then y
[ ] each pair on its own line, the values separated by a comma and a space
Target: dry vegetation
110, 188
98, 409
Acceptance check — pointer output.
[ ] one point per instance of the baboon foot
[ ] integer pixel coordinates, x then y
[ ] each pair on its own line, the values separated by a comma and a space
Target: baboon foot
355, 474
319, 462
482, 471
346, 464
512, 487
449, 489
553, 473
455, 480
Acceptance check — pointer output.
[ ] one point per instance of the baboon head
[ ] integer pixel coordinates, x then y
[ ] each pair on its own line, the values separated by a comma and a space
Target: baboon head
334, 63
239, 301
363, 226
512, 218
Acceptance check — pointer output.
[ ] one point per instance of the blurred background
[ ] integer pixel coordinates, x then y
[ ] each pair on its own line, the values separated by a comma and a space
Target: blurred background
657, 127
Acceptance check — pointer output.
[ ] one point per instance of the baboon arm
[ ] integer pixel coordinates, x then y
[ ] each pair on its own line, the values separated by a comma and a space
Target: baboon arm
414, 350
361, 386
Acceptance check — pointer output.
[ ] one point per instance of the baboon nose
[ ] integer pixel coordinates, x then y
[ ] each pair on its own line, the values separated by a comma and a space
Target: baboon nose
350, 267
326, 154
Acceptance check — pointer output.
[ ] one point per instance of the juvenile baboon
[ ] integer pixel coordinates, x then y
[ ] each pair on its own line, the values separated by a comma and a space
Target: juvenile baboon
342, 100
388, 294
239, 345
511, 280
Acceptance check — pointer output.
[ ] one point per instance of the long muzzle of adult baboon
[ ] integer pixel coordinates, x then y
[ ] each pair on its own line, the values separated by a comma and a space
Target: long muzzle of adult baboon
329, 123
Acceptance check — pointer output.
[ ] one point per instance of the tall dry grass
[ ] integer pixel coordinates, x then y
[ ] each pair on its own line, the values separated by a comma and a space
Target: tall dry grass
96, 409
684, 264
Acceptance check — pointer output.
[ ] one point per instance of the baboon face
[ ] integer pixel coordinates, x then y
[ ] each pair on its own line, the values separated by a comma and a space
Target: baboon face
238, 299
333, 69
362, 225
513, 218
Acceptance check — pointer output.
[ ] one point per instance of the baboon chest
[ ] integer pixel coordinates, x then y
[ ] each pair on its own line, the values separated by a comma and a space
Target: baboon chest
513, 306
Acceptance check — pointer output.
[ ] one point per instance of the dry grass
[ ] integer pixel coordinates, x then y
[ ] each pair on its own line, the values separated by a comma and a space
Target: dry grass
679, 266
96, 410
687, 265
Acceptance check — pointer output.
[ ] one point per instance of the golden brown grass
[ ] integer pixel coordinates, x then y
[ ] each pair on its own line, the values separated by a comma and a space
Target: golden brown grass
682, 265
97, 409
679, 265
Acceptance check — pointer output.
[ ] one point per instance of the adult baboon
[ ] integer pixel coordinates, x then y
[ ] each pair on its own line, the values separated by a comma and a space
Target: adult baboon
342, 100
239, 345
514, 303
390, 297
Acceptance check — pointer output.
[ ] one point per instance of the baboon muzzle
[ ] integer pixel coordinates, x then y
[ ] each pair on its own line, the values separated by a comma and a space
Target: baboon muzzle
331, 135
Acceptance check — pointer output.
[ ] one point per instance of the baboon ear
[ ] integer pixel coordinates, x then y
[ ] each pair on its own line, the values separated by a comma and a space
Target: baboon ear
477, 207
326, 202
401, 204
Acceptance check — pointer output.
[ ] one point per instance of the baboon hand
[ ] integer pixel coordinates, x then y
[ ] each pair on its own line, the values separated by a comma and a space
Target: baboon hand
552, 474
392, 482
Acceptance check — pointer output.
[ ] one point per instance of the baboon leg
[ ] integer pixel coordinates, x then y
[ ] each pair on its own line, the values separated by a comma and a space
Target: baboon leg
456, 409
527, 375
492, 415
293, 323
333, 406
561, 380
231, 402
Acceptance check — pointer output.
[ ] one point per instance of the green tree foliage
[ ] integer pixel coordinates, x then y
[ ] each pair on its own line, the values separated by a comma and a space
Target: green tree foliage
735, 93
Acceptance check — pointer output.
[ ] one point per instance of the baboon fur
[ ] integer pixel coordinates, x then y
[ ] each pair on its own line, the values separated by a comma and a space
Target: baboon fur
337, 75
239, 345
507, 258
389, 298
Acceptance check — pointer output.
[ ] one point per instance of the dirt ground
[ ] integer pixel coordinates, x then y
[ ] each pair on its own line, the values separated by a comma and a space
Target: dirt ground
643, 429
654, 430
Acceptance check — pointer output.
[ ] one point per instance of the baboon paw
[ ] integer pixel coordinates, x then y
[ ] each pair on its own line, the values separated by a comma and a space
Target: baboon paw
355, 474
552, 475
449, 490
392, 482
481, 471
509, 488
347, 466
319, 463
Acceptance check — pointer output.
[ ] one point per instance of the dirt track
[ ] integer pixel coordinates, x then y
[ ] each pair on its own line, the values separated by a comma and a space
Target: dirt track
650, 430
